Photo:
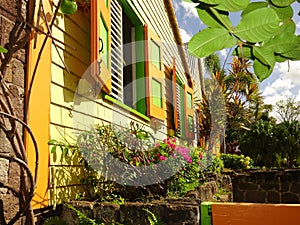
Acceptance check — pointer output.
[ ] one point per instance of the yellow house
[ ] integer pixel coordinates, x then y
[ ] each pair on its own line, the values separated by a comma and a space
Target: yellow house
111, 62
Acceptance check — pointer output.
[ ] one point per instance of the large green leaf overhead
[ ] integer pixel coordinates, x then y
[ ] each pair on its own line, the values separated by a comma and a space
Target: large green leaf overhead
264, 55
209, 41
261, 70
205, 17
233, 5
212, 2
282, 3
282, 43
258, 25
253, 6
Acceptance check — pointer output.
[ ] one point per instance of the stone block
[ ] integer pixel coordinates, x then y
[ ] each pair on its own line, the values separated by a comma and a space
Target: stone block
289, 198
273, 197
106, 212
270, 185
170, 214
238, 196
248, 186
18, 73
295, 188
4, 166
256, 196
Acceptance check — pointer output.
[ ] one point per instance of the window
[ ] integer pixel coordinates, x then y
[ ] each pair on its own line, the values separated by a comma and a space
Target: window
130, 51
183, 110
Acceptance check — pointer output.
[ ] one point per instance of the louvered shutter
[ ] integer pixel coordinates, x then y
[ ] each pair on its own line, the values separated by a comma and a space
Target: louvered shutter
154, 75
101, 43
116, 52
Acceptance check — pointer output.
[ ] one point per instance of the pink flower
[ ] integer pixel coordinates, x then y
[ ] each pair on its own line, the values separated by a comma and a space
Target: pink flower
162, 158
157, 145
200, 155
174, 140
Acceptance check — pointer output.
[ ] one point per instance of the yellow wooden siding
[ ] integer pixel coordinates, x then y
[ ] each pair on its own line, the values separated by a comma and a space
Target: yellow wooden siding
74, 30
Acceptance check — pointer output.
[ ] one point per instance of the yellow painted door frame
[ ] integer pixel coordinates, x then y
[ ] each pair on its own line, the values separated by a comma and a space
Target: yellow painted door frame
39, 106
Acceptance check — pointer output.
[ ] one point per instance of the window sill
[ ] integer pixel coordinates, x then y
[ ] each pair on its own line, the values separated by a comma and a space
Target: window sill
122, 105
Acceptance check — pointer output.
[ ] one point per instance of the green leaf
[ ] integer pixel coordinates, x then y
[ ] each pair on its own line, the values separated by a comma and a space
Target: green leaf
293, 55
282, 43
53, 149
253, 6
52, 142
280, 58
261, 70
4, 50
232, 5
209, 41
287, 27
212, 2
282, 3
258, 25
264, 55
284, 13
208, 19
245, 51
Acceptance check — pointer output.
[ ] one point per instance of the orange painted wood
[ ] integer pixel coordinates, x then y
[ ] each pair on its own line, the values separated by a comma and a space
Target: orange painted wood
39, 109
99, 11
255, 214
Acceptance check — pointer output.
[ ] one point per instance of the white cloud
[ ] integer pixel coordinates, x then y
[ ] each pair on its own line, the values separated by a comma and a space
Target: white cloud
184, 35
280, 89
190, 9
290, 71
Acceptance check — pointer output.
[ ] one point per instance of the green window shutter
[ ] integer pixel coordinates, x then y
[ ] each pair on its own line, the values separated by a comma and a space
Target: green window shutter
156, 92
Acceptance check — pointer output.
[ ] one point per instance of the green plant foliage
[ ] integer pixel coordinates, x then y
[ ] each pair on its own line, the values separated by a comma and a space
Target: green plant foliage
265, 33
258, 25
232, 5
205, 12
210, 40
282, 3
68, 7
3, 50
54, 221
152, 218
273, 145
232, 161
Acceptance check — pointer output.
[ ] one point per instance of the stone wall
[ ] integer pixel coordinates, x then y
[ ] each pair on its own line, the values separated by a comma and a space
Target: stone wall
14, 76
274, 186
170, 211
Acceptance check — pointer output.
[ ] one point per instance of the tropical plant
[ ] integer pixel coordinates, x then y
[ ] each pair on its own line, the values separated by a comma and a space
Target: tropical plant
273, 145
265, 34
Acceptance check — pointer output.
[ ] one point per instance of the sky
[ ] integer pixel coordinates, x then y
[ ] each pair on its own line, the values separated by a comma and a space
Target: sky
283, 83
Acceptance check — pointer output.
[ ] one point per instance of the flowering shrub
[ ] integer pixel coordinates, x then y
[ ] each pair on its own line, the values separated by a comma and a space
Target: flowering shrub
136, 151
232, 161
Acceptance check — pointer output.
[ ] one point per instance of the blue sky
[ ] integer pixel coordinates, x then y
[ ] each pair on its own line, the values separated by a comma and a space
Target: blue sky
283, 83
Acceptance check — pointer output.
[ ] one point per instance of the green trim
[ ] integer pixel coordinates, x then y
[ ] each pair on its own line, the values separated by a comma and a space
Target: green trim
182, 119
206, 213
140, 70
122, 105
132, 13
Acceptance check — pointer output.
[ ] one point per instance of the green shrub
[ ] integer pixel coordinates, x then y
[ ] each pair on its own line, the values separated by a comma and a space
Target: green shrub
232, 161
